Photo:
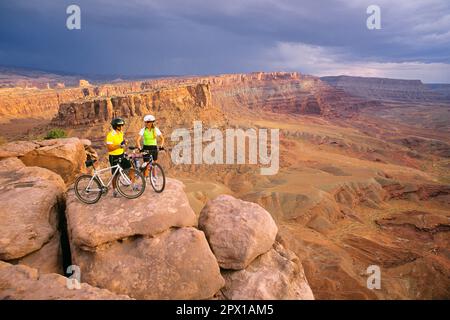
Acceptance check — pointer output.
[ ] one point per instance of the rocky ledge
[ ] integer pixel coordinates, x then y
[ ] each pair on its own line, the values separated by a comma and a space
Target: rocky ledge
146, 248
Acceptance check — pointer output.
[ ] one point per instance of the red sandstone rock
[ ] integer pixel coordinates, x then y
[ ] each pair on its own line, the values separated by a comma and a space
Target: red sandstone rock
31, 198
274, 275
238, 231
24, 283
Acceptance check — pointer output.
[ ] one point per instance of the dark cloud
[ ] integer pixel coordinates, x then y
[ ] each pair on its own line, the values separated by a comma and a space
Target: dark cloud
203, 37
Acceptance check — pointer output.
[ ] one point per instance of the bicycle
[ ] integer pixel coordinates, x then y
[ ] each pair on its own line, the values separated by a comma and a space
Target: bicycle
89, 188
156, 177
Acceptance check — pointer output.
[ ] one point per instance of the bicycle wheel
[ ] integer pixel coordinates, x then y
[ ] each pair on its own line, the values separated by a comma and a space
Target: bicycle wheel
157, 178
128, 187
87, 189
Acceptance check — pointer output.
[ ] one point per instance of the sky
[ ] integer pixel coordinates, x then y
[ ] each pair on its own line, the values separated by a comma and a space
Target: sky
187, 37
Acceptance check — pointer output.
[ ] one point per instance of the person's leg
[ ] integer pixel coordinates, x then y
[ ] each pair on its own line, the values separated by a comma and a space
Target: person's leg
113, 161
154, 153
132, 175
126, 164
146, 158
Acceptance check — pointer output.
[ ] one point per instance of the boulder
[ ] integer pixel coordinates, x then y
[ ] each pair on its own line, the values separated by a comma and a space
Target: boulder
238, 231
17, 148
176, 264
117, 218
47, 259
146, 248
24, 283
31, 198
274, 275
65, 157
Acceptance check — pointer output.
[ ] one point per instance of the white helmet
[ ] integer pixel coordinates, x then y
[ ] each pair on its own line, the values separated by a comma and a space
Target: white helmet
149, 117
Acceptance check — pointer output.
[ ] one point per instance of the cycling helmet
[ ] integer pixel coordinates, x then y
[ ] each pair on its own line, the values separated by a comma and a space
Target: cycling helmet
149, 118
117, 122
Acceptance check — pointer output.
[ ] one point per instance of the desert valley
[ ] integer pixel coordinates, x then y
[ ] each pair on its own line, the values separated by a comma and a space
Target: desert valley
364, 179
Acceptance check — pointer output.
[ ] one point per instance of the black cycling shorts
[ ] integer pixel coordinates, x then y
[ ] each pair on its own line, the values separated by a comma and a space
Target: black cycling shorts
121, 160
153, 151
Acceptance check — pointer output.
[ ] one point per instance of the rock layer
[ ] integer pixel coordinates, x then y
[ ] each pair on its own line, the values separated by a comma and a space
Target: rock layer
195, 98
384, 89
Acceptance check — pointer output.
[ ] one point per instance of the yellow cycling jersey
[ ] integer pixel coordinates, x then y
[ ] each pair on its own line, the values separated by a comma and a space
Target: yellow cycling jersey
115, 138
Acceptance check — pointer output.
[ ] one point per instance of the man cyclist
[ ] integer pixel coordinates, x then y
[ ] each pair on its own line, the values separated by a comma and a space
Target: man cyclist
149, 134
115, 144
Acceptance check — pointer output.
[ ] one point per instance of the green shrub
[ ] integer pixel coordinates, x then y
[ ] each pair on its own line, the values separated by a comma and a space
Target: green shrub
56, 134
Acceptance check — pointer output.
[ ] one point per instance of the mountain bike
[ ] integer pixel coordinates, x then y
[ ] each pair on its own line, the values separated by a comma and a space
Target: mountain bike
156, 175
89, 188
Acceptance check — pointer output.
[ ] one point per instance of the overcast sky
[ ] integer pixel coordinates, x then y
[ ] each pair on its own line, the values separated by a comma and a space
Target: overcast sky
145, 37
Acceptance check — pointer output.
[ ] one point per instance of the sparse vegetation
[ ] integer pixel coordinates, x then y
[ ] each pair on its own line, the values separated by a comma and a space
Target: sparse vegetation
56, 133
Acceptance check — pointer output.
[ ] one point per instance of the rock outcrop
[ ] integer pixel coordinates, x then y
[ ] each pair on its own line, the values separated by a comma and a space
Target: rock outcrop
242, 236
281, 92
274, 275
384, 89
147, 248
20, 103
65, 157
33, 103
175, 264
25, 283
238, 231
165, 102
31, 199
207, 98
443, 89
115, 219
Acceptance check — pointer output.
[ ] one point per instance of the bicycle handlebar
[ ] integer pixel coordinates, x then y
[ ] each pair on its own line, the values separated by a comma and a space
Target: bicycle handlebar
142, 150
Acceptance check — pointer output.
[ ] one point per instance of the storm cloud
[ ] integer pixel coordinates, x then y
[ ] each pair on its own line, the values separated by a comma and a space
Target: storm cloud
139, 37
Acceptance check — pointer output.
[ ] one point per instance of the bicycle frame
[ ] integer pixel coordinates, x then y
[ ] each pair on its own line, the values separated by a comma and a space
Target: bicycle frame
118, 169
141, 156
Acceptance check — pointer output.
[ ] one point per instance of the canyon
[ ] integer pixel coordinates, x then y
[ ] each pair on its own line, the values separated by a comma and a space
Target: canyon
363, 178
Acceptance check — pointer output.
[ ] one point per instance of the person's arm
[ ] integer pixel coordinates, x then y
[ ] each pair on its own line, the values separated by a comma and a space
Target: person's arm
112, 147
138, 141
138, 138
110, 144
160, 136
162, 140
